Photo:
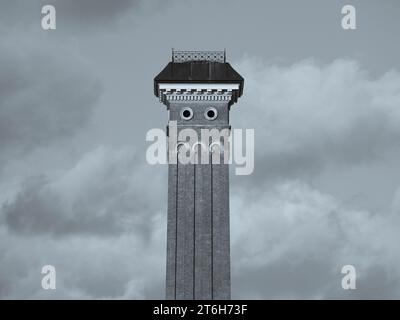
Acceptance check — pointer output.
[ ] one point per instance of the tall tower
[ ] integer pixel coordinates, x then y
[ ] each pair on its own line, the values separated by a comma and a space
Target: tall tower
198, 88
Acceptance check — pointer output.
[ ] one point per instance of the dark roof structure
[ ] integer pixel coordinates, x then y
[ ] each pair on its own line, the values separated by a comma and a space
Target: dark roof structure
198, 67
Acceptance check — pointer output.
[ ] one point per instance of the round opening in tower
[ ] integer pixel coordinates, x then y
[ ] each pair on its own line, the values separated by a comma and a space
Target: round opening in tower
186, 113
211, 113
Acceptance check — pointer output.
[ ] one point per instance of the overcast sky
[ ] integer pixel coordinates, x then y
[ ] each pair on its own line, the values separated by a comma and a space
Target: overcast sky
76, 103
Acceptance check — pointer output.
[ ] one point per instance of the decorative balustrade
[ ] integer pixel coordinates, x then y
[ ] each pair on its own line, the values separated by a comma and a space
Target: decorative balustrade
186, 56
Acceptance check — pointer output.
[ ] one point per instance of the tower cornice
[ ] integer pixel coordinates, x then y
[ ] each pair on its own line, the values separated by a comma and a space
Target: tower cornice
197, 92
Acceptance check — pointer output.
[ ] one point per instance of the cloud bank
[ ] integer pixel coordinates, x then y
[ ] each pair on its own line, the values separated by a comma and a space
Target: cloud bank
292, 242
43, 98
310, 115
97, 223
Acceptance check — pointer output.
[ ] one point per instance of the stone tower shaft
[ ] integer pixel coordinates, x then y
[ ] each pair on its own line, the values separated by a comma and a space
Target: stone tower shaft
198, 89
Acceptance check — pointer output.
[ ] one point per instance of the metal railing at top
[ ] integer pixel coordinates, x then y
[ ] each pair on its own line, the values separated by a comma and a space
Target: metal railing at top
186, 56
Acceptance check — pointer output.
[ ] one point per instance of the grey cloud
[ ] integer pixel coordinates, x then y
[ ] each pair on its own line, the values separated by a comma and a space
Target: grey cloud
87, 267
101, 223
71, 14
98, 10
43, 98
101, 195
307, 116
284, 280
292, 241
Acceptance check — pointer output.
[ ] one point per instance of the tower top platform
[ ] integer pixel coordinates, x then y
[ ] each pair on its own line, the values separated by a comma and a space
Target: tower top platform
198, 67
